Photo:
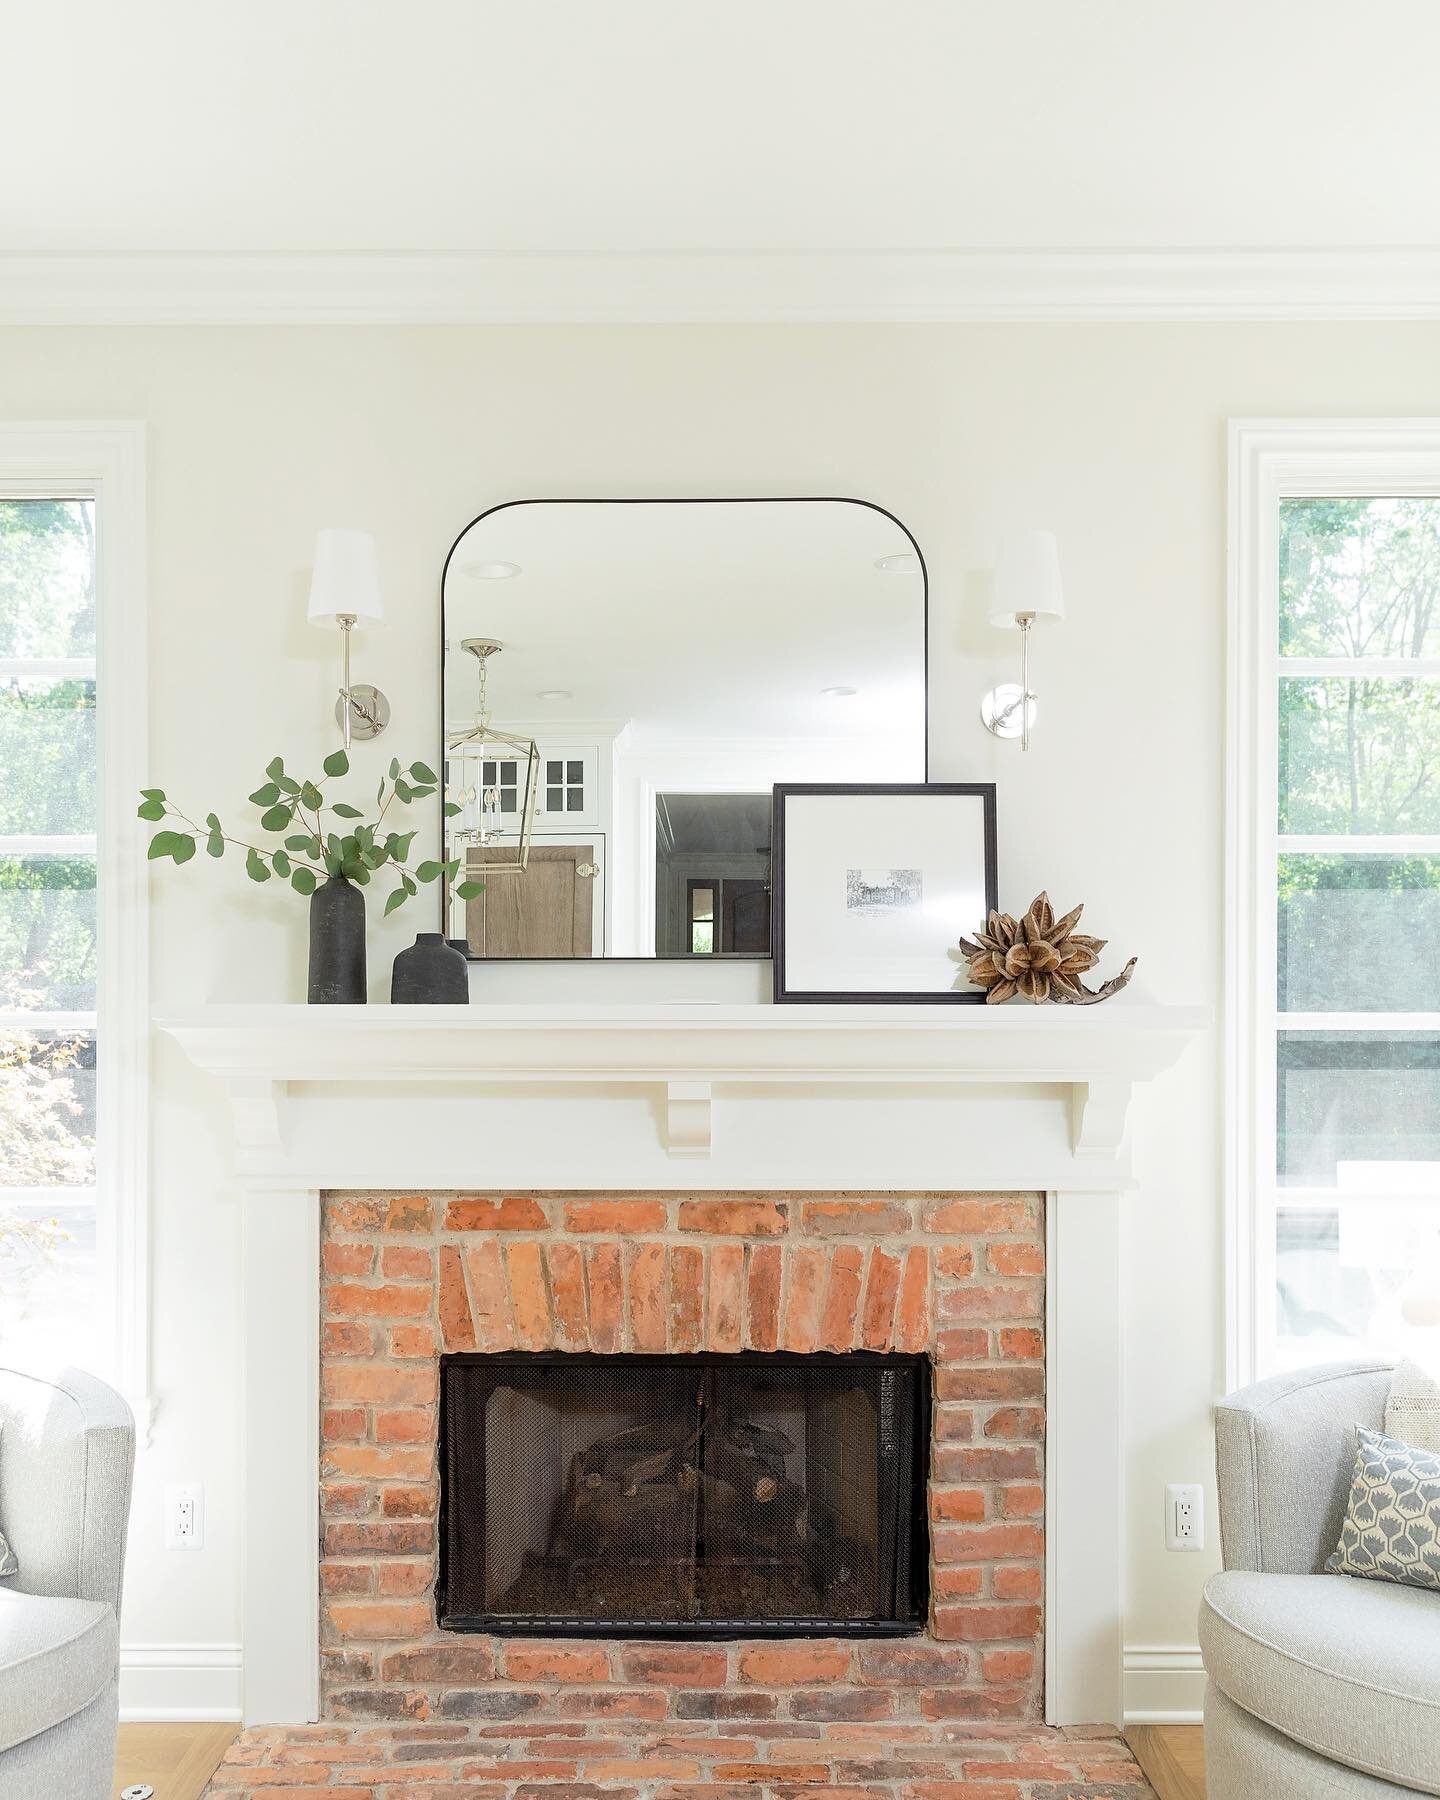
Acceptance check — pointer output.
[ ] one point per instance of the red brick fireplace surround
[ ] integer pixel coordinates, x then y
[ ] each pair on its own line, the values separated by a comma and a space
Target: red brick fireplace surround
411, 1710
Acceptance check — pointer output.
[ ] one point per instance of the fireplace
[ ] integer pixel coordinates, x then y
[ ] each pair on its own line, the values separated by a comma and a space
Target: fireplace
683, 1496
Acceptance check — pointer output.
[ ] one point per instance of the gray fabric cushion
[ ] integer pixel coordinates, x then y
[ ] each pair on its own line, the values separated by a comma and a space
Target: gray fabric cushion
1392, 1520
1350, 1669
56, 1656
73, 1761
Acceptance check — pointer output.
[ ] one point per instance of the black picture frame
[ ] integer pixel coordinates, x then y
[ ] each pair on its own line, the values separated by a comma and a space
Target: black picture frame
784, 793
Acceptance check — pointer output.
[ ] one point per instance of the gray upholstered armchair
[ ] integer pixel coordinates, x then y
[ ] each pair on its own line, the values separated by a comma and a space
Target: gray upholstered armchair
1318, 1686
67, 1449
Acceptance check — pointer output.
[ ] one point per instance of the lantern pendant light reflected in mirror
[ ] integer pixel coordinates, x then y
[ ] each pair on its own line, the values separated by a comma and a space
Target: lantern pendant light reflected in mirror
493, 776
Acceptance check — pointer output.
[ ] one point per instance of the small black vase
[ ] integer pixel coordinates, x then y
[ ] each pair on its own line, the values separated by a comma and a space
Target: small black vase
337, 944
430, 973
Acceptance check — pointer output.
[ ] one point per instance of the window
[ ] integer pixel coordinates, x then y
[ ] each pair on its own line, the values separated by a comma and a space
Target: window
73, 1033
564, 784
1335, 976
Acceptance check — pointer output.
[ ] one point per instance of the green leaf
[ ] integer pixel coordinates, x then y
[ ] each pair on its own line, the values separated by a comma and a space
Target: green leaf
451, 810
275, 768
408, 885
422, 773
151, 810
337, 763
452, 868
256, 867
467, 890
380, 792
342, 810
311, 796
398, 898
303, 881
300, 843
421, 793
184, 850
215, 843
152, 793
267, 795
288, 785
398, 844
404, 793
332, 862
280, 862
427, 871
394, 767
277, 818
164, 844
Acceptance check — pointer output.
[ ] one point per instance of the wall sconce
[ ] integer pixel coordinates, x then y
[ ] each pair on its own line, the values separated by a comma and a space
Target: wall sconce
345, 591
1027, 588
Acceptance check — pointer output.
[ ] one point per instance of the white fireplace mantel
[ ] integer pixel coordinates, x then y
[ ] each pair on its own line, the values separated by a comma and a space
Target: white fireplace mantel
925, 1098
675, 1078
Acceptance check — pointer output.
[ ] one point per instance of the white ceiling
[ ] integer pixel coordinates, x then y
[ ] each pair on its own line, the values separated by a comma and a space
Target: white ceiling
758, 125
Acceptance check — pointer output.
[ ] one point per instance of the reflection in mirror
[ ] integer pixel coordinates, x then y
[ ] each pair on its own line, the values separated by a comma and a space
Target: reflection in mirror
653, 668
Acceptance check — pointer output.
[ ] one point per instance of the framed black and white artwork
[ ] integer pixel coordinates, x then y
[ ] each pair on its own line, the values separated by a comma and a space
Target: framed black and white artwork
874, 887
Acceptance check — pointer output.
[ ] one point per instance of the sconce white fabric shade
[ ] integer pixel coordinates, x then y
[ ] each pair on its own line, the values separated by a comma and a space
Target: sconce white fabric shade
1028, 578
345, 579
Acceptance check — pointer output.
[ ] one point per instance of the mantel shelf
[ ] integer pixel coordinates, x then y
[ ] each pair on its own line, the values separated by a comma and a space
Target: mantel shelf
685, 1053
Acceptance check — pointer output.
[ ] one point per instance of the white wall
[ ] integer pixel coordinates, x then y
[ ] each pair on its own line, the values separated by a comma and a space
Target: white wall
1111, 434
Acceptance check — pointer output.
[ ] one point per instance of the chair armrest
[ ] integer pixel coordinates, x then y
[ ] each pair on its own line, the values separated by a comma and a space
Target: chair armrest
67, 1456
1284, 1450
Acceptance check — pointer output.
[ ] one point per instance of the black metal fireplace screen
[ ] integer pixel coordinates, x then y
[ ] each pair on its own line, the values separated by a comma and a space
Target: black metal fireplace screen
683, 1496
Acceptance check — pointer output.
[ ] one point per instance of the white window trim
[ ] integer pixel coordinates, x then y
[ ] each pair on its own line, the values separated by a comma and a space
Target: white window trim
106, 459
1270, 460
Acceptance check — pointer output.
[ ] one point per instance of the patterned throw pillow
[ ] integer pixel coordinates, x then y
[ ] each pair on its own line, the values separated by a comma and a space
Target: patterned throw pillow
1392, 1522
8, 1564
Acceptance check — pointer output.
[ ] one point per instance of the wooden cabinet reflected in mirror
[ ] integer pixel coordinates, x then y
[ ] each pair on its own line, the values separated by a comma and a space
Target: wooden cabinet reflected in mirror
649, 670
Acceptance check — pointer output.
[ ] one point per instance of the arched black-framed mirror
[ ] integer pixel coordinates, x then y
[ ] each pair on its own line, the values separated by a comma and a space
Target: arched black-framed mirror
650, 669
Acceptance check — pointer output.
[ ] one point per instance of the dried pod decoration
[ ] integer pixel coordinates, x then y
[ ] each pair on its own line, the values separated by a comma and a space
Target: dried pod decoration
1039, 957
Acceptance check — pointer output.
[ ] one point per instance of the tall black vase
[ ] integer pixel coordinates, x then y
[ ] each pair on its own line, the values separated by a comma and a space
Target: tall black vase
337, 944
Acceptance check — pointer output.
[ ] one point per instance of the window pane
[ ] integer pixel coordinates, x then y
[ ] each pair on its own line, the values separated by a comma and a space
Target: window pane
47, 1108
575, 771
1347, 1097
1359, 756
1360, 577
48, 1296
47, 578
47, 932
554, 799
1359, 934
1358, 1278
47, 756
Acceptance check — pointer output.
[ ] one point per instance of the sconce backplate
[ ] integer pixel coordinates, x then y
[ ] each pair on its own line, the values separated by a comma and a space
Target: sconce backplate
1000, 710
369, 711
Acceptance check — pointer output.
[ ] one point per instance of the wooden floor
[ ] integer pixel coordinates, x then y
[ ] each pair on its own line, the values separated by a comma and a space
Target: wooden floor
175, 1760
1173, 1758
178, 1760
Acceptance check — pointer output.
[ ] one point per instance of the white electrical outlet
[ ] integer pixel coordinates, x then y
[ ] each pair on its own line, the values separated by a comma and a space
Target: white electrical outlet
1184, 1516
184, 1516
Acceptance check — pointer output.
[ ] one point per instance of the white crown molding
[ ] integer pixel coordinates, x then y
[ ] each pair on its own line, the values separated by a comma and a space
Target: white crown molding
722, 287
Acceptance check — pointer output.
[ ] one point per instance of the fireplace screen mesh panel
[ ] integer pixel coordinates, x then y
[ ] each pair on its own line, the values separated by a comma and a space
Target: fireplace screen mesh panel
683, 1496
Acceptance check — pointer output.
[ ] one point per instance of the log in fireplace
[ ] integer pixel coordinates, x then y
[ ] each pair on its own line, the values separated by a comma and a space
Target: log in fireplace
683, 1496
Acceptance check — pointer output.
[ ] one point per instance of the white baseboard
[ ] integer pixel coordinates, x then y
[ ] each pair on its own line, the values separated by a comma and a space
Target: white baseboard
1164, 1684
179, 1682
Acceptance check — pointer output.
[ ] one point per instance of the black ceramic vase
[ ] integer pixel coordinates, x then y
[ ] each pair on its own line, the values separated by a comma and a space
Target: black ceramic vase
337, 944
430, 973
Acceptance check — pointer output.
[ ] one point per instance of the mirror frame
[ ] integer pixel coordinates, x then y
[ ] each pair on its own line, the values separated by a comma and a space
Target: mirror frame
443, 886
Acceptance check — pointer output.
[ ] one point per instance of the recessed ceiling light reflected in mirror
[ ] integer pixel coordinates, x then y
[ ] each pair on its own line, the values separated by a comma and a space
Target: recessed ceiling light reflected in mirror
839, 693
491, 571
554, 694
904, 563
